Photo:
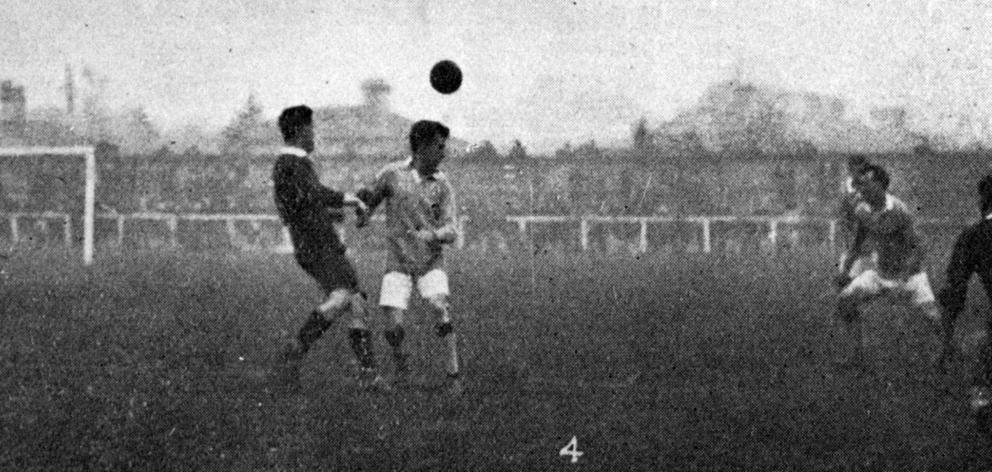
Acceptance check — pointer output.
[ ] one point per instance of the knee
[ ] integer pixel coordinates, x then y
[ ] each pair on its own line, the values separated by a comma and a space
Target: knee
394, 314
445, 328
337, 300
439, 302
357, 302
932, 311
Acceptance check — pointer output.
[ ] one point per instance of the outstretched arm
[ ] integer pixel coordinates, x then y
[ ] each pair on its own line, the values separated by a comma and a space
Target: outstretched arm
372, 196
299, 184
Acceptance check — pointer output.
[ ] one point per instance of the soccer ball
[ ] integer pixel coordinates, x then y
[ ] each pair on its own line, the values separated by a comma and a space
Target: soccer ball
446, 77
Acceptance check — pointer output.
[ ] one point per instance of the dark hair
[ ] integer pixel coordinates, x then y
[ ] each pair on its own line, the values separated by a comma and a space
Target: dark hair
424, 131
292, 119
858, 160
878, 174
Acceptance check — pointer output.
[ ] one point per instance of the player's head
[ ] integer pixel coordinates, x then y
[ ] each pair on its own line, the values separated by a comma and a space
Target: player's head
856, 164
296, 124
872, 182
427, 142
985, 194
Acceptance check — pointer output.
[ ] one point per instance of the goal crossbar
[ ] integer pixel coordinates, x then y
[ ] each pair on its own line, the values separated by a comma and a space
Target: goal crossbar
89, 193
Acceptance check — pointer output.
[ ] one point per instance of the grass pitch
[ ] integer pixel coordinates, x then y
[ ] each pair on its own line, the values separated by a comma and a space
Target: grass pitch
159, 362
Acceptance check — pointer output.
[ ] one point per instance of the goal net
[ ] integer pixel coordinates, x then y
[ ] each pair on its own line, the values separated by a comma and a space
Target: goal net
47, 197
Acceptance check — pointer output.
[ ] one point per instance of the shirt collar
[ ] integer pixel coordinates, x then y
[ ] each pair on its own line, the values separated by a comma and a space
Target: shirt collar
890, 203
293, 151
849, 185
409, 165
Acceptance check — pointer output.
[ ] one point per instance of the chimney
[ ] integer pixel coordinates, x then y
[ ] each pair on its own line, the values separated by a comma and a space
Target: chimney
70, 91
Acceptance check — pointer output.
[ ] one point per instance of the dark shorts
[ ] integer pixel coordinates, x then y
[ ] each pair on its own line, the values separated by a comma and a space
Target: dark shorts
331, 270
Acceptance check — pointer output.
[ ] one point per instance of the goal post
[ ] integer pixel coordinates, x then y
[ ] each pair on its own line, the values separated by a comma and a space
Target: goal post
88, 155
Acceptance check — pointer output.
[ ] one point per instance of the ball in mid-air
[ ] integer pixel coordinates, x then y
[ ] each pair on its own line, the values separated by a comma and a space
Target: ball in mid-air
446, 77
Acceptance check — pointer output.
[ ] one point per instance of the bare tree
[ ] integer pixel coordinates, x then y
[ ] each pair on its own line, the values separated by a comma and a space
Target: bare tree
247, 132
137, 133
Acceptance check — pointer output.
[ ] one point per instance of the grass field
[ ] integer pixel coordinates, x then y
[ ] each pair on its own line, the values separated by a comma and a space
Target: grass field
158, 362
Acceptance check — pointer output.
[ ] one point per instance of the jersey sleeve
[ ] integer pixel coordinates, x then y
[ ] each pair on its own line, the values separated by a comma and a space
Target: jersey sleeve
378, 190
845, 210
962, 264
914, 241
299, 187
447, 214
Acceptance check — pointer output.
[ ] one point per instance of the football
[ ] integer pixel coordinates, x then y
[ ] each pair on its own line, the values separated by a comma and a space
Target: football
446, 77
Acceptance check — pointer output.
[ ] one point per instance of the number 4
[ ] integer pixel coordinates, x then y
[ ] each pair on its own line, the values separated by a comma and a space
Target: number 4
571, 449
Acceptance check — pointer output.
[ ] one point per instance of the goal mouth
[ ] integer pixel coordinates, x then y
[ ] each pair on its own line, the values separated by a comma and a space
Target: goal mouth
50, 202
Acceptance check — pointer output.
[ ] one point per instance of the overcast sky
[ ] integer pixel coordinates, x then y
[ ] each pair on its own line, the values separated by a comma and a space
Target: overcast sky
541, 71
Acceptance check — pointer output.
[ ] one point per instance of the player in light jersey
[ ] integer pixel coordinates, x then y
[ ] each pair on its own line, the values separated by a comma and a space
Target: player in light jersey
420, 219
885, 226
850, 198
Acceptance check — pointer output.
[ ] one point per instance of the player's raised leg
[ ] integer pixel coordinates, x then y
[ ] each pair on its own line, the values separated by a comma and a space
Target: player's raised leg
320, 320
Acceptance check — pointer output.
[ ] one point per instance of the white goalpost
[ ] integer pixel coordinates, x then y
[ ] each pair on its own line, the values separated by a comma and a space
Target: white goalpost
87, 155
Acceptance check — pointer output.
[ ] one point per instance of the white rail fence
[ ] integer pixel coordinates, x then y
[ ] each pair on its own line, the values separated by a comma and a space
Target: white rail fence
40, 222
771, 226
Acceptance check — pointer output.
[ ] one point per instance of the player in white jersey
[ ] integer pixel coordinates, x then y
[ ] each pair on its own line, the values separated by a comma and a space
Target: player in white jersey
885, 227
420, 220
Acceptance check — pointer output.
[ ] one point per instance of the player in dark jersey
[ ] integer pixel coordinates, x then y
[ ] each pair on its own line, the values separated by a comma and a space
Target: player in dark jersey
973, 255
309, 210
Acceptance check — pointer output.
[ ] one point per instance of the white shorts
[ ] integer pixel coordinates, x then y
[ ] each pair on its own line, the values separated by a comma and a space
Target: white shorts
860, 265
397, 288
869, 284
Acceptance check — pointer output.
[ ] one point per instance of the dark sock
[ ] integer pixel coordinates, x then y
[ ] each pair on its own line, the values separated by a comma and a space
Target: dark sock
444, 329
394, 336
312, 330
982, 371
361, 343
